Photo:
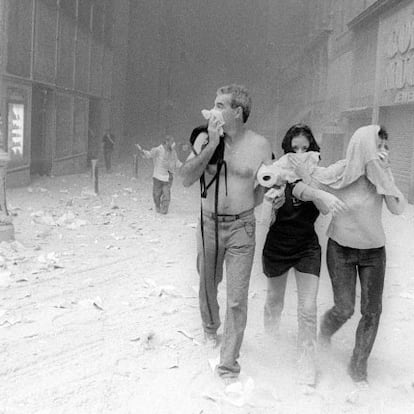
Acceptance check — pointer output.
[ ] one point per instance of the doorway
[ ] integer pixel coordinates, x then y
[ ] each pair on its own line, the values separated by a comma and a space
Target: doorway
40, 154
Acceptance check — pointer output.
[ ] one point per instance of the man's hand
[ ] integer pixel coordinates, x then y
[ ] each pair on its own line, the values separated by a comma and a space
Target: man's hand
213, 131
144, 153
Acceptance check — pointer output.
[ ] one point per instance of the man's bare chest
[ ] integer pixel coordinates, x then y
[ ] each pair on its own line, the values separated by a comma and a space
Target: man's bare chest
240, 163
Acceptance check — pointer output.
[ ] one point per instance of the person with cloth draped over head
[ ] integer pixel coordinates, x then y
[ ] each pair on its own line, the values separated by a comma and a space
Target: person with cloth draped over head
356, 244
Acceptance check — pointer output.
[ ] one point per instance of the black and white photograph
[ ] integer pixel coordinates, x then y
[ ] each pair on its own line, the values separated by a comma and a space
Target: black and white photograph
206, 206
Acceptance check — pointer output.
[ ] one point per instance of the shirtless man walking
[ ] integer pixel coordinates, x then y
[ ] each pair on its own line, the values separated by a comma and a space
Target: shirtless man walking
226, 232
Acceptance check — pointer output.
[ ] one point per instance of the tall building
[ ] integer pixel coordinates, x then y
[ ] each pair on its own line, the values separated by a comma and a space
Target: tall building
58, 81
353, 67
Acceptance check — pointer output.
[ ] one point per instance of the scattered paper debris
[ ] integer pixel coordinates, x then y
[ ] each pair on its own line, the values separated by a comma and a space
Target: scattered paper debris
187, 335
97, 302
407, 295
5, 279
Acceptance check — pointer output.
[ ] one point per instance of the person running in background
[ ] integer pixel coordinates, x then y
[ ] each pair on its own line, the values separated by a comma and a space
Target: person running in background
108, 143
166, 163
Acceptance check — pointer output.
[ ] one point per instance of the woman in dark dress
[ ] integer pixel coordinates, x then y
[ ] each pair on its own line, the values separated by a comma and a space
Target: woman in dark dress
292, 242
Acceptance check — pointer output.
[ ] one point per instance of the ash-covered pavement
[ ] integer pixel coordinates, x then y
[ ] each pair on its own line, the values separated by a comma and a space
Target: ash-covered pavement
99, 312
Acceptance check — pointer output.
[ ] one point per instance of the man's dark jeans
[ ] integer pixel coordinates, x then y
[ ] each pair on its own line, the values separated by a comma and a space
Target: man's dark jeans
344, 263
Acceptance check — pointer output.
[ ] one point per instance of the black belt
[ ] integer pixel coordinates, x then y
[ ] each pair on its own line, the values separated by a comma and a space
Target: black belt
227, 217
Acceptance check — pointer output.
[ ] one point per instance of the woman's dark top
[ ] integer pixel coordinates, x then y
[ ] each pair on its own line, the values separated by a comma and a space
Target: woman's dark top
291, 240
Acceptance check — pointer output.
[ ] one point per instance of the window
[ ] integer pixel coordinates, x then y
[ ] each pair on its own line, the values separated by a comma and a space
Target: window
109, 21
69, 7
97, 20
84, 14
50, 3
19, 42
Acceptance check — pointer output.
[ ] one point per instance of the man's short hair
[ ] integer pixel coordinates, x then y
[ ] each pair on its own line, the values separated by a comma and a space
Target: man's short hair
239, 97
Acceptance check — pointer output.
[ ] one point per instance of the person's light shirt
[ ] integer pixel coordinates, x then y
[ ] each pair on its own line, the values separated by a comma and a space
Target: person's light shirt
165, 162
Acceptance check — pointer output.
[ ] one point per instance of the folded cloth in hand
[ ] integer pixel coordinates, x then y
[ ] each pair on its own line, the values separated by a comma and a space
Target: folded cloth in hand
207, 114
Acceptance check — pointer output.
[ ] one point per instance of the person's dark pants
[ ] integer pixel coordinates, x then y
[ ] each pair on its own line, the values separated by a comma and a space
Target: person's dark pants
161, 193
344, 263
108, 160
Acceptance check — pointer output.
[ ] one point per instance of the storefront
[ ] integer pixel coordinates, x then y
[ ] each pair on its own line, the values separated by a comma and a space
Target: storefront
15, 134
396, 91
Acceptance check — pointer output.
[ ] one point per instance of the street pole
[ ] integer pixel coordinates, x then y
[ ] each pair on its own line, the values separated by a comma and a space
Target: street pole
135, 165
95, 176
6, 223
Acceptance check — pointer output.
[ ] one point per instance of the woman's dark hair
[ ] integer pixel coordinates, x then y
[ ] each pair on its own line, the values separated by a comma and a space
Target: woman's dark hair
382, 133
296, 130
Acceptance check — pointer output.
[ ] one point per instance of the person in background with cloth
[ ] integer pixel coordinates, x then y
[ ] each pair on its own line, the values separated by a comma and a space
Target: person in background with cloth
292, 242
356, 244
166, 162
226, 231
108, 143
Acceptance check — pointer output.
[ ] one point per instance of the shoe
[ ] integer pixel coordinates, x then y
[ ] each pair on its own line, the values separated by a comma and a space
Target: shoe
306, 370
210, 340
271, 325
272, 332
358, 376
229, 381
324, 341
362, 385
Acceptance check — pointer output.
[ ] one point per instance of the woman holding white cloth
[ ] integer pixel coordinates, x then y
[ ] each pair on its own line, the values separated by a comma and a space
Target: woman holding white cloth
292, 243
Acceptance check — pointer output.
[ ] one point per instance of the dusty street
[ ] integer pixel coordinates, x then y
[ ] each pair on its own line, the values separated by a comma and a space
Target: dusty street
99, 312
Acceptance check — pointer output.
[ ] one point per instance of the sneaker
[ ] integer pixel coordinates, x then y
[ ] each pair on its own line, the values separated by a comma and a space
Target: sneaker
306, 370
358, 376
210, 339
229, 381
271, 325
324, 341
362, 385
272, 332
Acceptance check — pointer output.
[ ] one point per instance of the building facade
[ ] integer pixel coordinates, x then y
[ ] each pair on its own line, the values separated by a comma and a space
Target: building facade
57, 84
356, 67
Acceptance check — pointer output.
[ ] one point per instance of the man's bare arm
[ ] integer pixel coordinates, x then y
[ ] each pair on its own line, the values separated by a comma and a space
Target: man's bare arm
195, 165
266, 159
259, 192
